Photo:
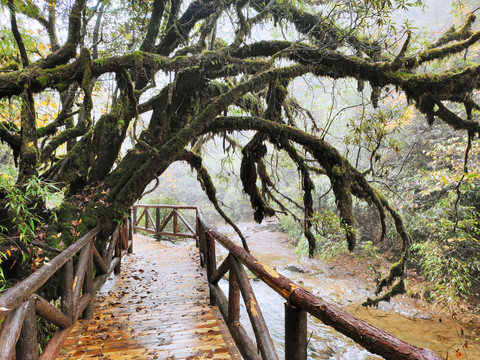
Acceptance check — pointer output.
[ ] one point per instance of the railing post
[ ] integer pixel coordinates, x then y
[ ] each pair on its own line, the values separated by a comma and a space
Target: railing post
233, 297
88, 287
157, 224
10, 331
134, 220
175, 222
66, 289
197, 228
211, 259
130, 233
27, 346
295, 333
147, 218
201, 244
262, 335
118, 253
125, 234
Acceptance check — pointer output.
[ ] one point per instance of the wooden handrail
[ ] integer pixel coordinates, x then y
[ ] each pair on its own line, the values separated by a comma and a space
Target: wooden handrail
19, 304
299, 302
16, 295
155, 226
163, 206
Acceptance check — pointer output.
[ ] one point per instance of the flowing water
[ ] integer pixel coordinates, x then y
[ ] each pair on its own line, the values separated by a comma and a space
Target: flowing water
408, 319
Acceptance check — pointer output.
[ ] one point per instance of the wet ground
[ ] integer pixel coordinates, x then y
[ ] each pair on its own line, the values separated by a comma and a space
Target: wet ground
348, 285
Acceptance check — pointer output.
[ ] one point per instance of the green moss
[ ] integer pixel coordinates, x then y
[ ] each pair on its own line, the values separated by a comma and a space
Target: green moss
180, 58
100, 62
11, 66
62, 86
337, 171
60, 231
398, 288
138, 55
58, 69
403, 75
42, 80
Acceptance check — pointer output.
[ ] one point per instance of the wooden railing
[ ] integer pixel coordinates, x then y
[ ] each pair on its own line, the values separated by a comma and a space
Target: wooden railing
20, 304
78, 286
155, 224
298, 303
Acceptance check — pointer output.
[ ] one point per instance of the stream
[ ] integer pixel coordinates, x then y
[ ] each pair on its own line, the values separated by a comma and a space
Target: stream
407, 318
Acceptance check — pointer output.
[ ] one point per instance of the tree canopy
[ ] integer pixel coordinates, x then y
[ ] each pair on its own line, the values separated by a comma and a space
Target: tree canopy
99, 98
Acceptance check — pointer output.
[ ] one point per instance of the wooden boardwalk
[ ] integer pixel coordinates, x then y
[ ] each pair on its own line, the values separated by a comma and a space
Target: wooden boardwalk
157, 308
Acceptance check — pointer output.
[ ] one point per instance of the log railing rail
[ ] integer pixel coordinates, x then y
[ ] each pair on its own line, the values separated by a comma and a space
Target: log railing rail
298, 303
154, 224
79, 284
20, 305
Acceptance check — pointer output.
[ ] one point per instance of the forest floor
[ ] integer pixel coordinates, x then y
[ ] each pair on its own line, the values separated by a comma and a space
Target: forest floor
465, 310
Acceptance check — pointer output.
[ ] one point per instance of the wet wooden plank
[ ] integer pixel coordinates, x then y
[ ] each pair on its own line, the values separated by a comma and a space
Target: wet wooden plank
156, 309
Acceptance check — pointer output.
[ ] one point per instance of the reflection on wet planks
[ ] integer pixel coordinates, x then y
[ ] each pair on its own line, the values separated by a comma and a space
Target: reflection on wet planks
156, 309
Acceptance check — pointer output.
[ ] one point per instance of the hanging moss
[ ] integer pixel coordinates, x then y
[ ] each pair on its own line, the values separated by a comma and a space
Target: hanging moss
207, 185
253, 152
397, 289
307, 187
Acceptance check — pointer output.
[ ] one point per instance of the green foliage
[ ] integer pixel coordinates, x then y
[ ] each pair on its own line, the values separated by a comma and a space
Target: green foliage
451, 277
8, 48
22, 202
440, 206
330, 236
447, 248
294, 230
3, 281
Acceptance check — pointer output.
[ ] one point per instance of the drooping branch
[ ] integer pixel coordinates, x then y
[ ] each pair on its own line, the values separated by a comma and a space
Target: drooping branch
308, 187
253, 152
455, 121
206, 182
344, 177
337, 167
267, 184
16, 34
153, 29
276, 98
